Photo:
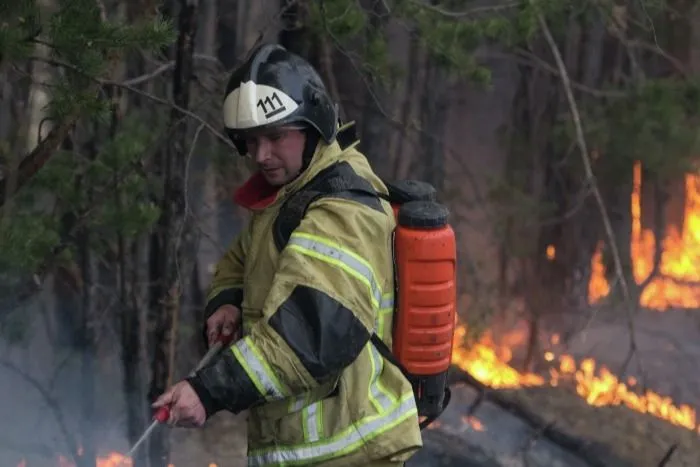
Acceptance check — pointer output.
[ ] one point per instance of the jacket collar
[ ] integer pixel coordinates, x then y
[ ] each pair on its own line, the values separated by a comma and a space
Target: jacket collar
256, 194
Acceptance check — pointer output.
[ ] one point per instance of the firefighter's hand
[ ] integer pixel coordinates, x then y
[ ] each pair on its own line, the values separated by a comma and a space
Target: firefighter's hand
186, 410
225, 321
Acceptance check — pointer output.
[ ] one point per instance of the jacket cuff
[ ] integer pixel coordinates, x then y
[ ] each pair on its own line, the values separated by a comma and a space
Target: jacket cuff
208, 402
224, 384
232, 296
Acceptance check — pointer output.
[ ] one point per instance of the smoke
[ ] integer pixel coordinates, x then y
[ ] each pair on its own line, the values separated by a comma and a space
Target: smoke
43, 390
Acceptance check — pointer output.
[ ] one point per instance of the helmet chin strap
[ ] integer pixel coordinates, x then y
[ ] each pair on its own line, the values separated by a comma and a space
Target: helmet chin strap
312, 138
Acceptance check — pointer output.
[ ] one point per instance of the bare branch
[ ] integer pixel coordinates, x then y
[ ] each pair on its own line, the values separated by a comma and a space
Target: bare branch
51, 403
471, 12
590, 176
24, 448
34, 161
181, 110
165, 67
668, 455
154, 98
187, 209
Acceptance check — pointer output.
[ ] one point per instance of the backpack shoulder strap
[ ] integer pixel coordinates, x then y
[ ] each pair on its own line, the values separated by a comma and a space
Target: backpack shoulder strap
340, 181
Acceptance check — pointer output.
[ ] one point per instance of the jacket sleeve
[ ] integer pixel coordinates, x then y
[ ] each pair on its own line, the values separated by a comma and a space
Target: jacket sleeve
318, 316
227, 283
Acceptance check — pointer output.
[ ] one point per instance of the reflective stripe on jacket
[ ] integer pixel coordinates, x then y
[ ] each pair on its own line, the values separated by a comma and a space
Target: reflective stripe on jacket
317, 389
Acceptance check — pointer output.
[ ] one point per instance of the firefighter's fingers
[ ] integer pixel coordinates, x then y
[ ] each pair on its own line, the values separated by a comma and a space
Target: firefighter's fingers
228, 328
213, 329
213, 334
164, 399
187, 410
225, 320
176, 404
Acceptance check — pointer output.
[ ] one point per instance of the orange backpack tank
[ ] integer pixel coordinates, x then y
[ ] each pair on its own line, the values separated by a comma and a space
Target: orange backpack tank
425, 277
425, 256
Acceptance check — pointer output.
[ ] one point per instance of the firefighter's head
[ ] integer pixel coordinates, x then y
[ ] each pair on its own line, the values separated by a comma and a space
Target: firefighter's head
275, 110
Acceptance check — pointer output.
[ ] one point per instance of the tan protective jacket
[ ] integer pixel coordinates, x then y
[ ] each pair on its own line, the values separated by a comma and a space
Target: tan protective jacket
318, 391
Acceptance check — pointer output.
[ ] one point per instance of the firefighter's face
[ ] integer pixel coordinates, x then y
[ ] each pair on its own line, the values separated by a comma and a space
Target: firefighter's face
277, 153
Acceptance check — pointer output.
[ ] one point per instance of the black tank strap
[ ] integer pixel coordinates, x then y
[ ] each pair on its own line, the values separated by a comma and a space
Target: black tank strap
338, 180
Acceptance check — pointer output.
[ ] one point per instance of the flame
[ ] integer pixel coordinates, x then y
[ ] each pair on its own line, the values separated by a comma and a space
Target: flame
679, 270
474, 422
112, 459
551, 252
489, 364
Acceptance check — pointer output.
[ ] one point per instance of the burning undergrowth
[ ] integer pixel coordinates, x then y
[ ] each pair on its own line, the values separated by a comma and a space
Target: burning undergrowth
578, 396
585, 400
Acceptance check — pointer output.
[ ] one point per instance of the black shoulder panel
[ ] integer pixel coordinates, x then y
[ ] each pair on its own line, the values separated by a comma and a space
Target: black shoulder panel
340, 181
325, 336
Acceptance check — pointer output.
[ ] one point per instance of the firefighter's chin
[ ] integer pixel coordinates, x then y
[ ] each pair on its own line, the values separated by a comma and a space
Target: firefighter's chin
275, 177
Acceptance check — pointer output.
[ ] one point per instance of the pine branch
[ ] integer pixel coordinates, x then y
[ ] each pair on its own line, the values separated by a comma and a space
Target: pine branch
34, 161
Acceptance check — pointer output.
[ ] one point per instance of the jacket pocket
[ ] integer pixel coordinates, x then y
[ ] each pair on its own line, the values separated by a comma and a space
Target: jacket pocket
303, 421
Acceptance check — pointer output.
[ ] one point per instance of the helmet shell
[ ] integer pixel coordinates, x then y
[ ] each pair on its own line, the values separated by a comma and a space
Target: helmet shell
275, 87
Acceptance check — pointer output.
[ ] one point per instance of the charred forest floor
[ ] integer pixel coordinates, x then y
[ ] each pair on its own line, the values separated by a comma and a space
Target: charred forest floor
641, 439
540, 426
478, 435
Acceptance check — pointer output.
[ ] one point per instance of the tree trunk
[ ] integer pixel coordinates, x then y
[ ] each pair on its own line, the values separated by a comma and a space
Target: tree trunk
433, 122
169, 263
87, 339
374, 135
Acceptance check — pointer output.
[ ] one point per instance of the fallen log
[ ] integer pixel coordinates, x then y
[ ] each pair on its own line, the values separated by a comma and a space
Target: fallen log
485, 428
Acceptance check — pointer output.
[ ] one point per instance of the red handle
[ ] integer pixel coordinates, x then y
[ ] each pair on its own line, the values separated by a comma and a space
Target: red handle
162, 414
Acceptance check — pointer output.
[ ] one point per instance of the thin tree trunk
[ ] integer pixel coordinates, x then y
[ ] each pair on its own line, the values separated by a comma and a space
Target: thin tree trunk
434, 119
170, 242
87, 456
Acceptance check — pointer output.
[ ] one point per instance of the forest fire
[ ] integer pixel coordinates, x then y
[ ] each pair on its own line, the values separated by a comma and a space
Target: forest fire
676, 286
679, 271
113, 459
489, 364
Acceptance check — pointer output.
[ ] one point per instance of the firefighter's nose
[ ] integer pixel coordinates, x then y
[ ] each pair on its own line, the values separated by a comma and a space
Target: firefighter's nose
262, 151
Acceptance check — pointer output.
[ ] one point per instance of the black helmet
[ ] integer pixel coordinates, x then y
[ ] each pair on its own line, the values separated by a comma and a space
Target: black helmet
276, 87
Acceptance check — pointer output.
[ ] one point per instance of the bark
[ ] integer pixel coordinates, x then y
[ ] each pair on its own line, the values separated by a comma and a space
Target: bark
292, 34
402, 161
87, 346
169, 262
204, 186
433, 119
374, 141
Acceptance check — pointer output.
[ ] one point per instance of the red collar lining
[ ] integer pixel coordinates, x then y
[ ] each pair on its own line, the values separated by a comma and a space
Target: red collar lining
255, 193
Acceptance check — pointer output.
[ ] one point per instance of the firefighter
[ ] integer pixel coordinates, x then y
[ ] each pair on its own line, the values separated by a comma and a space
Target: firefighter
318, 391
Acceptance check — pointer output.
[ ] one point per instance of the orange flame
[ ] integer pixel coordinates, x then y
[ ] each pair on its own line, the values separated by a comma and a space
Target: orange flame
679, 270
113, 459
490, 365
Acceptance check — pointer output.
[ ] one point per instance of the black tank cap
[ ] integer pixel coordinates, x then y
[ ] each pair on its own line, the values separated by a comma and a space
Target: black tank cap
403, 191
423, 214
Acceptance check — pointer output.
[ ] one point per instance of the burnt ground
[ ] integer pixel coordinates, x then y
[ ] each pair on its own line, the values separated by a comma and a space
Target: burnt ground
669, 354
669, 349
